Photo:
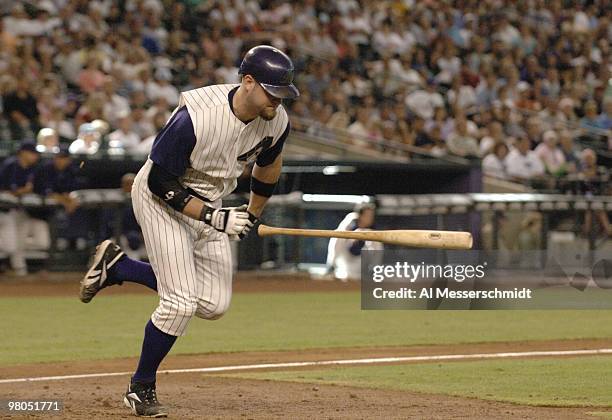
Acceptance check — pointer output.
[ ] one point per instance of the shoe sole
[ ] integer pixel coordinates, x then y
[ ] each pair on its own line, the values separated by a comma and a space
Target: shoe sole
128, 405
97, 258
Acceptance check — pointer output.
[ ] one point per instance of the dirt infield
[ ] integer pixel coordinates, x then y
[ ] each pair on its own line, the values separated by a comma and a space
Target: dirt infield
198, 395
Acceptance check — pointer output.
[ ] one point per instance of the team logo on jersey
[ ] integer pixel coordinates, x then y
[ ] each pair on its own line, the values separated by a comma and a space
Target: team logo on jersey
255, 151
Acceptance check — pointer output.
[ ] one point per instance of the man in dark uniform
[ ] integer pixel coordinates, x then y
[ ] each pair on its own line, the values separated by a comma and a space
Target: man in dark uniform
16, 226
56, 179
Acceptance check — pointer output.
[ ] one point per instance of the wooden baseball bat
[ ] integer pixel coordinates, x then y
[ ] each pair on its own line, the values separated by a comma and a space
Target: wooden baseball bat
440, 239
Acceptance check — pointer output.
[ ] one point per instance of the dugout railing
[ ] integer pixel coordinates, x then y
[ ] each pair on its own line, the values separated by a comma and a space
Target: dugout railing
421, 211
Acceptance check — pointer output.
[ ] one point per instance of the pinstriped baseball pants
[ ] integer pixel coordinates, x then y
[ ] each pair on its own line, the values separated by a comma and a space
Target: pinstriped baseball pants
191, 260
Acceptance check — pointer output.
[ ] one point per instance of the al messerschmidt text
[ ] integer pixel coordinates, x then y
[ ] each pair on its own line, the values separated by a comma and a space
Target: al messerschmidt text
445, 293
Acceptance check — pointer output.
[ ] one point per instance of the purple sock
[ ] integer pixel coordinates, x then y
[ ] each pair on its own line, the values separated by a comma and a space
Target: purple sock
155, 347
127, 269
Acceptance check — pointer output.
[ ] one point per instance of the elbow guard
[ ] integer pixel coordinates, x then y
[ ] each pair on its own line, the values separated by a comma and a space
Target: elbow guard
167, 187
262, 188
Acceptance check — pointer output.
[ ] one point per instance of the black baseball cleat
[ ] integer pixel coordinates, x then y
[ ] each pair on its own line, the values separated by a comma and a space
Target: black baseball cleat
142, 399
107, 254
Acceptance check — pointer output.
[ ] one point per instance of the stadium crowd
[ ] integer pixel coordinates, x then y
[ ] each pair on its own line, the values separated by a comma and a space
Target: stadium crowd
448, 77
525, 85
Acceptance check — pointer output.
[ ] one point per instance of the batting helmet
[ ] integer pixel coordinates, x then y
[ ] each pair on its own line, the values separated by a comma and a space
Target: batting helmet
272, 69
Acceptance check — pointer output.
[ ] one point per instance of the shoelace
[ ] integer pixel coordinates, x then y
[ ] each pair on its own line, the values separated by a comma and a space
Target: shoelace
150, 396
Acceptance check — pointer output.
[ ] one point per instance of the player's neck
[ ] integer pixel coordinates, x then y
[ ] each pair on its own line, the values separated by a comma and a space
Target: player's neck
240, 107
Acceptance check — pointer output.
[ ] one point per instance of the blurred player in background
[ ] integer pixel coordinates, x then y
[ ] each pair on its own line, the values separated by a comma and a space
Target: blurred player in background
18, 230
57, 179
344, 255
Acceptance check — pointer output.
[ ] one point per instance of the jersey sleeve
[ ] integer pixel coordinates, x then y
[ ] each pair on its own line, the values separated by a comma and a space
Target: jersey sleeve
268, 156
174, 143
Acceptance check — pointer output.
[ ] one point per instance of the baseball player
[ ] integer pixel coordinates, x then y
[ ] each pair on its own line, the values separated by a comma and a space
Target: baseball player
17, 226
344, 255
195, 160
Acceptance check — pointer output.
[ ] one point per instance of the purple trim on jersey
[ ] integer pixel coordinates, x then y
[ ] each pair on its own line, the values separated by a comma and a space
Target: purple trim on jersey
174, 143
13, 176
230, 98
268, 156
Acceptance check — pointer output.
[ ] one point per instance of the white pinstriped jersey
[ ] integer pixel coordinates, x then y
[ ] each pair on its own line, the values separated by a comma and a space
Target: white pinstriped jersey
224, 144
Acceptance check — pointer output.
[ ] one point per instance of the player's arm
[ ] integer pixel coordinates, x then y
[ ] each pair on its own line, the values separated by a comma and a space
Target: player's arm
266, 173
165, 185
170, 155
263, 183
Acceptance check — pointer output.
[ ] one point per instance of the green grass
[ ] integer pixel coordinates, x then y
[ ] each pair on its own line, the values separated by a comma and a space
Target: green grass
58, 329
554, 382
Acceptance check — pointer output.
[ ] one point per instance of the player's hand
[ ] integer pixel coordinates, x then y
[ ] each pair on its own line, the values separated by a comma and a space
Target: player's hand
230, 220
253, 220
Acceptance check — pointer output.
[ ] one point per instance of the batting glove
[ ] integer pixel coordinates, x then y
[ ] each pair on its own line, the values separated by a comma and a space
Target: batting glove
253, 220
230, 220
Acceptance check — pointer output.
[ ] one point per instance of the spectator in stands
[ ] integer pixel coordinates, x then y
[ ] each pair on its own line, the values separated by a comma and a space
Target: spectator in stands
115, 104
124, 138
101, 126
486, 90
570, 151
344, 255
439, 148
566, 105
533, 129
494, 164
551, 154
593, 182
423, 102
161, 87
522, 163
590, 120
47, 141
8, 41
422, 138
228, 72
495, 135
144, 147
604, 120
87, 142
142, 124
460, 142
91, 78
462, 96
20, 110
360, 128
533, 55
92, 108
58, 122
18, 231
